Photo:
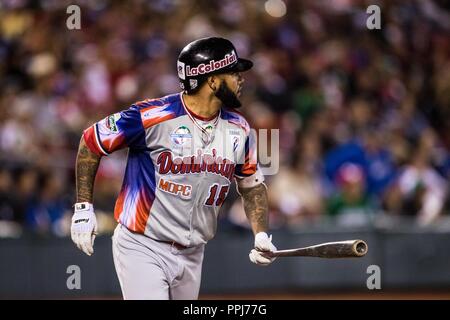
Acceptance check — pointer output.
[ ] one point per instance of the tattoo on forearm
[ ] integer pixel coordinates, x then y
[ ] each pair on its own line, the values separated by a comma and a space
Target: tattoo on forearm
256, 207
87, 165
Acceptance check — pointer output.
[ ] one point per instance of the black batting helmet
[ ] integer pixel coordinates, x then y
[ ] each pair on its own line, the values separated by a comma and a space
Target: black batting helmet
207, 56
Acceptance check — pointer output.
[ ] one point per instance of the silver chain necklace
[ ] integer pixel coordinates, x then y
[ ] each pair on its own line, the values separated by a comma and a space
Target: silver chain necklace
207, 129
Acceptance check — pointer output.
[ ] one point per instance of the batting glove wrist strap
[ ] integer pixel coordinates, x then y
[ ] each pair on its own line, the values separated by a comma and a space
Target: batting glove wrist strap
83, 206
83, 216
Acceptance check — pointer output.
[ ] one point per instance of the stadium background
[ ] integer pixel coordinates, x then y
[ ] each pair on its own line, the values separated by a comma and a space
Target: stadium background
364, 119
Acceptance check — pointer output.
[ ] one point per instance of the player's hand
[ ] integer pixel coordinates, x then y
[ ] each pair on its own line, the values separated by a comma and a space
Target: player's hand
263, 243
84, 227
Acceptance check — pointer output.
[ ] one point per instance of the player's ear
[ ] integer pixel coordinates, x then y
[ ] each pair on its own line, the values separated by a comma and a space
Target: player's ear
213, 82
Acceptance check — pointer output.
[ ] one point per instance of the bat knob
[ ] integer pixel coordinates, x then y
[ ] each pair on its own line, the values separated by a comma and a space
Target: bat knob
360, 248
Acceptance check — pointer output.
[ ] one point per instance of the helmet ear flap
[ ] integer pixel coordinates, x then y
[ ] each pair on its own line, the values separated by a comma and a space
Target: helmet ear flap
192, 85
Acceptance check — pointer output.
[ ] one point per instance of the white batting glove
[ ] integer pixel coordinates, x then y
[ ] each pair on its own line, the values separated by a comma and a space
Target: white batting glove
84, 227
262, 243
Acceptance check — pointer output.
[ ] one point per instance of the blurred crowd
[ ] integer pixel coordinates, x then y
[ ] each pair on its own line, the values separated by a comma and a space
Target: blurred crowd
363, 115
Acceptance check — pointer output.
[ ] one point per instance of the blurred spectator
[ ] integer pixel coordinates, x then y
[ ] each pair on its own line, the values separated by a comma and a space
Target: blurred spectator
10, 223
7, 212
351, 204
296, 192
46, 212
26, 192
369, 153
420, 191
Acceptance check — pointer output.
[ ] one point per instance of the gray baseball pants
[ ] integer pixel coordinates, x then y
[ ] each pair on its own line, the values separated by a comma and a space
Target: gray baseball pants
151, 270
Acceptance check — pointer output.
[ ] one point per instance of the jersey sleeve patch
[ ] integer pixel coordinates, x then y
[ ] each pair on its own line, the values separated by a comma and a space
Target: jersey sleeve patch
116, 131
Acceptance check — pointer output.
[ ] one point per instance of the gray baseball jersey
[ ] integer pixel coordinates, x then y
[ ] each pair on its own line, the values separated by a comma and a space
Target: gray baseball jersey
180, 166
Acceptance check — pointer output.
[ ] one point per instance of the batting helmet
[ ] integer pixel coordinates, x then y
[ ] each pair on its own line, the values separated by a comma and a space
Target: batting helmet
207, 56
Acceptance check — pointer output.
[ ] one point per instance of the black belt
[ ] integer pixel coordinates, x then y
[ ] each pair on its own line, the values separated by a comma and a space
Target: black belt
177, 245
174, 244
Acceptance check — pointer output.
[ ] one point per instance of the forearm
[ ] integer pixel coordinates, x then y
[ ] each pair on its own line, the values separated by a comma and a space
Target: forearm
86, 169
256, 207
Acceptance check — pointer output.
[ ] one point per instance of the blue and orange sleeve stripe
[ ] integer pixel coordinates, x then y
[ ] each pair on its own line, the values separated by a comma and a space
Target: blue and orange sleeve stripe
92, 141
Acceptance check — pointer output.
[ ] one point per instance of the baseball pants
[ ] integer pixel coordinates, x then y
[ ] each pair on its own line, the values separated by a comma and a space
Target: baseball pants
151, 270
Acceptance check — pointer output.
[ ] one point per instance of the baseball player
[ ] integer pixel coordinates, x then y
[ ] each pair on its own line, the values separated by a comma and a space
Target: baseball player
184, 150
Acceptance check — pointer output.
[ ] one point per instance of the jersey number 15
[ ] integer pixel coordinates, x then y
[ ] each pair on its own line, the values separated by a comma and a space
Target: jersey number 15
220, 198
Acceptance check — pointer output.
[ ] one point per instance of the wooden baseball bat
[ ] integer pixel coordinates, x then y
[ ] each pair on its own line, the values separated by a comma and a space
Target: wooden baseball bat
338, 249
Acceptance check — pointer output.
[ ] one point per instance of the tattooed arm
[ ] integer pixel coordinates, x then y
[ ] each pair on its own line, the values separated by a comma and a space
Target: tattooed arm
256, 207
87, 165
84, 222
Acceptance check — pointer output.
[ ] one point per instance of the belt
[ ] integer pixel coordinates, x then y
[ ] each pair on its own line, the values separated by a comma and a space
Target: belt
174, 244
